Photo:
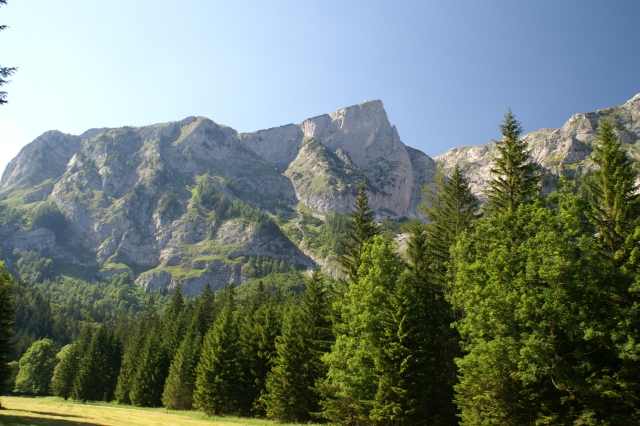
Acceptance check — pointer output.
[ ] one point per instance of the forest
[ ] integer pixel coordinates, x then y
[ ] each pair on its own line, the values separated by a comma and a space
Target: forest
520, 310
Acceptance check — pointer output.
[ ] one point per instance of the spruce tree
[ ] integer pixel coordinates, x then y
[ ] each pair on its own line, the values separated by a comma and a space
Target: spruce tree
173, 323
452, 208
148, 382
6, 326
306, 336
615, 205
406, 362
134, 353
66, 370
360, 228
220, 370
97, 375
516, 176
180, 384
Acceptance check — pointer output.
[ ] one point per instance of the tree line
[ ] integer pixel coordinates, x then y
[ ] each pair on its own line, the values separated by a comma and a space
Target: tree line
520, 311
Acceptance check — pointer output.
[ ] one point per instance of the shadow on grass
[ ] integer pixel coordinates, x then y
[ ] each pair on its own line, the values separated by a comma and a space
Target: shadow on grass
37, 421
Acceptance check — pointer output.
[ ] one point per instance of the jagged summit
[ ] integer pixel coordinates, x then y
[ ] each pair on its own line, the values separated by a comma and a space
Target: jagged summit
133, 198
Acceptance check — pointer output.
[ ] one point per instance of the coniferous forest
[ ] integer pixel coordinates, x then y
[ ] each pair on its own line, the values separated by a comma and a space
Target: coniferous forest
523, 309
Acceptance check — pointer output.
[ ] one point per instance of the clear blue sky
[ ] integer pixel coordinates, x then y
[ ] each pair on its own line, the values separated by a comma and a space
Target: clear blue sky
446, 70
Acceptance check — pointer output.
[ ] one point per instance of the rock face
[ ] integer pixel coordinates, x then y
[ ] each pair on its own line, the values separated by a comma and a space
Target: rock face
560, 151
134, 198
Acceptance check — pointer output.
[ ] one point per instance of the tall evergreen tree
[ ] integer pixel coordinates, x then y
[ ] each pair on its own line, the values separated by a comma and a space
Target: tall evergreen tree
134, 352
306, 336
97, 375
173, 323
259, 320
181, 382
517, 177
66, 370
220, 369
615, 205
148, 382
360, 228
353, 378
6, 326
452, 209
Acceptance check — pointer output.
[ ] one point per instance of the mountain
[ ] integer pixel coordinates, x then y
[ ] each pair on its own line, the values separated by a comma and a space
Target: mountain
562, 151
197, 202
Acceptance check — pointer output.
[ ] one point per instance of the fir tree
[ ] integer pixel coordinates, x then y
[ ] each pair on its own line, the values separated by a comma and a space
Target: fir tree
180, 384
517, 177
360, 228
306, 336
173, 323
219, 370
134, 352
615, 206
452, 209
6, 326
97, 375
64, 375
148, 383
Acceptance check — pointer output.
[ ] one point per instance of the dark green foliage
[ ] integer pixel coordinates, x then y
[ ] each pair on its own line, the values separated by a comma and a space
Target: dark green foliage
359, 229
33, 267
517, 179
222, 208
261, 266
181, 381
48, 215
276, 282
151, 373
306, 336
36, 368
169, 206
69, 359
615, 205
98, 370
324, 237
34, 319
173, 323
259, 319
6, 327
134, 352
220, 369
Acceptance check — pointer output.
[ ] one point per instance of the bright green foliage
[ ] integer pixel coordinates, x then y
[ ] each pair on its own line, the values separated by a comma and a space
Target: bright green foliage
63, 375
220, 369
452, 209
181, 382
616, 202
517, 177
360, 227
98, 371
6, 326
259, 323
353, 376
540, 313
306, 337
36, 368
406, 393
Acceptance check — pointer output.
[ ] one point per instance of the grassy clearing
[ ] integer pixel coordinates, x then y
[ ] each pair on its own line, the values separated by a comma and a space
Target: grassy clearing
53, 411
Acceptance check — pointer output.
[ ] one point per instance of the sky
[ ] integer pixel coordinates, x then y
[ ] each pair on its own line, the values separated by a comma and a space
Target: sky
446, 71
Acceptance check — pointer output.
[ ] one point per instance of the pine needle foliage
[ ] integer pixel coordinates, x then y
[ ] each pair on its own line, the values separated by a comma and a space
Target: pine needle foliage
220, 369
615, 205
306, 336
516, 176
360, 227
7, 318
